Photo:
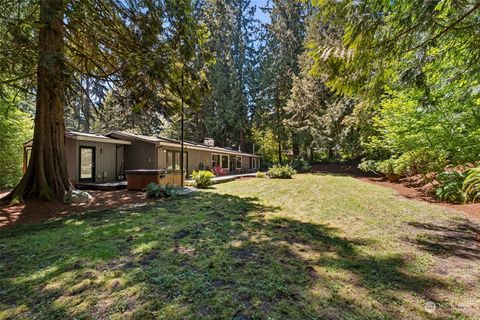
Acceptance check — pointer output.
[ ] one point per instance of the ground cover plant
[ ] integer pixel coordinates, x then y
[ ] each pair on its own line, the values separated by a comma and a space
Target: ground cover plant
249, 249
202, 178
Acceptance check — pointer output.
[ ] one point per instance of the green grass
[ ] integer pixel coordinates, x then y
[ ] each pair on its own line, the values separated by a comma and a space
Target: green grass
314, 247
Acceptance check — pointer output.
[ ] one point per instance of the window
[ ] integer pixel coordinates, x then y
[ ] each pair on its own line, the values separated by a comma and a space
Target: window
215, 160
255, 163
173, 160
239, 163
169, 160
87, 164
177, 161
224, 162
219, 160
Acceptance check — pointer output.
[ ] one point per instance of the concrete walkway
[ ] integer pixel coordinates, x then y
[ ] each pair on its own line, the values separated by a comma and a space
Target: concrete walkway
227, 178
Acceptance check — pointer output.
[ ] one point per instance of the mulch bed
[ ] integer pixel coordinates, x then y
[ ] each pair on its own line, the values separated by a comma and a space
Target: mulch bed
36, 211
404, 187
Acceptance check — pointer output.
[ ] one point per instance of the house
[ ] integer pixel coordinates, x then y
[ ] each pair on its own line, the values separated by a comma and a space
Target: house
90, 157
93, 158
163, 153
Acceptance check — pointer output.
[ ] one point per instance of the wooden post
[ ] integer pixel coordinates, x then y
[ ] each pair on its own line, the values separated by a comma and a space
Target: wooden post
181, 138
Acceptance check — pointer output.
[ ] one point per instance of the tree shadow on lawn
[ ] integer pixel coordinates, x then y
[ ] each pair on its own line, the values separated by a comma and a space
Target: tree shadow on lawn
458, 237
201, 256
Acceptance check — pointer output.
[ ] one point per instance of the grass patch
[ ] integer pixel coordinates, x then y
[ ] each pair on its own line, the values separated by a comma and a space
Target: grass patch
313, 247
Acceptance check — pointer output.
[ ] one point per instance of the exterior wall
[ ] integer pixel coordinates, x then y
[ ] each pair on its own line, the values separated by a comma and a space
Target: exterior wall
195, 158
105, 160
246, 164
200, 159
72, 159
140, 155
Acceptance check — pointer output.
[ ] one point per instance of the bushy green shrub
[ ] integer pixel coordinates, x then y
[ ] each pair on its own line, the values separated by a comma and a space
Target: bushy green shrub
387, 167
450, 187
368, 165
300, 164
281, 172
202, 178
421, 161
261, 174
471, 185
154, 190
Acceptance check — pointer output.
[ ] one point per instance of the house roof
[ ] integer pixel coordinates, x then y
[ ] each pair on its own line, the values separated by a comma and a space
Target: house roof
176, 143
86, 137
94, 137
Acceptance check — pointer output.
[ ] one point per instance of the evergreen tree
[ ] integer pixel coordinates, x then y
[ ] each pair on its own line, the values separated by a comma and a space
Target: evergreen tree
280, 63
131, 46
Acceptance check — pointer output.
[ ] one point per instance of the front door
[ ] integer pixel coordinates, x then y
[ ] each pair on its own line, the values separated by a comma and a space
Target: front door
87, 164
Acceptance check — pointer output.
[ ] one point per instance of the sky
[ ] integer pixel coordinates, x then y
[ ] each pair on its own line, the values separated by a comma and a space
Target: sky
259, 14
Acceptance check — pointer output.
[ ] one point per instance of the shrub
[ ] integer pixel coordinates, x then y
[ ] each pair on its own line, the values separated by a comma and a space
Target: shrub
202, 178
387, 167
260, 174
301, 165
368, 165
471, 185
154, 190
281, 172
421, 161
450, 187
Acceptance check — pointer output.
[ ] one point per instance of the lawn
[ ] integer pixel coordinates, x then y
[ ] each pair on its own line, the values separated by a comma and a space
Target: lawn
314, 247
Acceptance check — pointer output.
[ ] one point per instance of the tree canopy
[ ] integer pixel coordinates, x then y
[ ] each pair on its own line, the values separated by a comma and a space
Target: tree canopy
322, 80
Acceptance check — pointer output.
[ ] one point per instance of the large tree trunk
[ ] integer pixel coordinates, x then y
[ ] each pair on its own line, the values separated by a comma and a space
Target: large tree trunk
46, 176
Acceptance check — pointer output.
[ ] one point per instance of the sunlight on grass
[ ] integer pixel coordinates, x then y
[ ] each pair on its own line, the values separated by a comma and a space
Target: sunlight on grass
311, 247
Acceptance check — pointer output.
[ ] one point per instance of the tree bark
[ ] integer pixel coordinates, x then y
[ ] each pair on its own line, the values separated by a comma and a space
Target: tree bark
46, 176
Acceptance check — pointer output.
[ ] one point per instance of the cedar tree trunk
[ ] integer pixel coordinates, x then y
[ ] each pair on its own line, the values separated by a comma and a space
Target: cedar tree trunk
46, 176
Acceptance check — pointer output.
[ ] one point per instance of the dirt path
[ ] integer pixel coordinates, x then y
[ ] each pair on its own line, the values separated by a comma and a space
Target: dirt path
472, 209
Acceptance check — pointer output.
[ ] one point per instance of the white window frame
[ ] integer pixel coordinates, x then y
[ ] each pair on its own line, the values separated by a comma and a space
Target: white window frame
221, 160
255, 163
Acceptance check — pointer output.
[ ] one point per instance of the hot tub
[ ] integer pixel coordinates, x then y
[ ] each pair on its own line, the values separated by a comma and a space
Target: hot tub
138, 179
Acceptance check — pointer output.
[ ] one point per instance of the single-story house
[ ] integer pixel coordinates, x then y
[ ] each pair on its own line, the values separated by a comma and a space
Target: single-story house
156, 152
93, 158
90, 157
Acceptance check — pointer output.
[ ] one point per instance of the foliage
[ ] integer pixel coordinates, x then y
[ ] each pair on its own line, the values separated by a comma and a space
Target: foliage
300, 165
471, 185
388, 168
202, 178
281, 172
154, 190
260, 174
15, 129
129, 255
368, 165
450, 187
408, 65
283, 39
266, 146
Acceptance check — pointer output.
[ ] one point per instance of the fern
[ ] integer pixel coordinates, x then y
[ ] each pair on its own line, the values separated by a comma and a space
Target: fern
471, 185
